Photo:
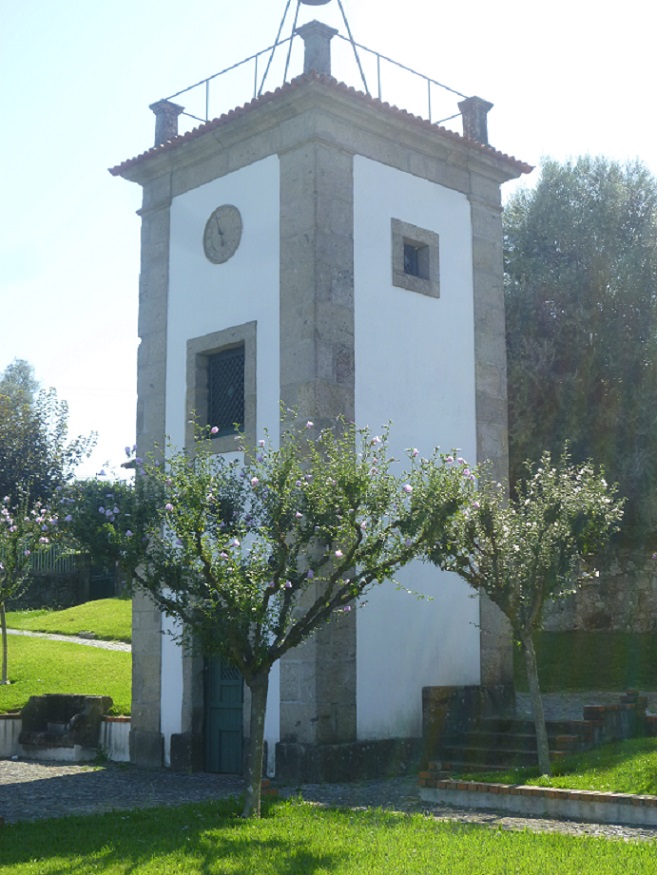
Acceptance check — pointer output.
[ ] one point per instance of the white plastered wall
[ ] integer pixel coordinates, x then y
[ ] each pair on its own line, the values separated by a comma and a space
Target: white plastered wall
415, 368
204, 298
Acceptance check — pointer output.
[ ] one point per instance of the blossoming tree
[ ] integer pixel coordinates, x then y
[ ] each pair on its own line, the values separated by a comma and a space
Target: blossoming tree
23, 531
251, 556
531, 548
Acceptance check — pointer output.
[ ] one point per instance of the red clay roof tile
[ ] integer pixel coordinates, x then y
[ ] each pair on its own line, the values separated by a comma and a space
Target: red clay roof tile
199, 131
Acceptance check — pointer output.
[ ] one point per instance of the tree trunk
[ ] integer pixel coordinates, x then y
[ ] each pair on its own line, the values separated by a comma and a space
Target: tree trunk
258, 686
537, 705
3, 623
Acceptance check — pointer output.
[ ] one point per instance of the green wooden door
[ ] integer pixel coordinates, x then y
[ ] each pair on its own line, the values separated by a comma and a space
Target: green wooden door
223, 731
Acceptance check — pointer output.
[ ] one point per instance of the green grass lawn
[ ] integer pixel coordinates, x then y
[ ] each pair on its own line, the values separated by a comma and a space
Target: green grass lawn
109, 619
592, 661
38, 666
297, 839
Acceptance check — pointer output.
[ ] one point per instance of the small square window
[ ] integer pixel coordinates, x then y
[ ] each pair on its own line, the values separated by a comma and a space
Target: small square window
415, 259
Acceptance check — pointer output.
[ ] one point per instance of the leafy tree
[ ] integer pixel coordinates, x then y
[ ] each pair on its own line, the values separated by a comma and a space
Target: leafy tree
35, 453
581, 305
89, 509
253, 557
24, 529
532, 548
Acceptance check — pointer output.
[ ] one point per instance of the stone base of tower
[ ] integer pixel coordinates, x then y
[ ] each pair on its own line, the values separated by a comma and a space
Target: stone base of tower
147, 748
353, 761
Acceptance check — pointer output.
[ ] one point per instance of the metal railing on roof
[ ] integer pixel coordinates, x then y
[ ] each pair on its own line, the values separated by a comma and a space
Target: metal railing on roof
396, 83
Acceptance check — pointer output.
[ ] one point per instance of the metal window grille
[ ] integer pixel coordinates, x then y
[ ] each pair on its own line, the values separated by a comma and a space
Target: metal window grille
230, 673
226, 390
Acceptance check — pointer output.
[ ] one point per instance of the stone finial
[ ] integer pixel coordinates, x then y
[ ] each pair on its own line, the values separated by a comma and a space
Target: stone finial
474, 111
166, 120
317, 37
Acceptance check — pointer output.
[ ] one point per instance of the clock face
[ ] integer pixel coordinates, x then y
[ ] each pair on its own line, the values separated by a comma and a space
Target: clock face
222, 235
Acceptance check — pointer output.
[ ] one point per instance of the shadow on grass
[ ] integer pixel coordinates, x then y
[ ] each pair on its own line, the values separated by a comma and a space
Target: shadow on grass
189, 838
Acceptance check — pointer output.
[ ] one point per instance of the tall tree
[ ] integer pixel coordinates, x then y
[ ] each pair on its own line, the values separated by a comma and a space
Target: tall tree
532, 548
581, 304
35, 453
252, 558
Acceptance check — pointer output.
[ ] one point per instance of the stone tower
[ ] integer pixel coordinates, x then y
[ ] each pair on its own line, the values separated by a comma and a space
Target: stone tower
321, 248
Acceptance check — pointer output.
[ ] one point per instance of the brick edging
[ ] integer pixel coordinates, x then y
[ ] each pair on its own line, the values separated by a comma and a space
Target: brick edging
588, 805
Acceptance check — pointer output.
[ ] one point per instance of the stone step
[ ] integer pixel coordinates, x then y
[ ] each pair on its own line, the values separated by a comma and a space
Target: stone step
480, 738
511, 757
526, 726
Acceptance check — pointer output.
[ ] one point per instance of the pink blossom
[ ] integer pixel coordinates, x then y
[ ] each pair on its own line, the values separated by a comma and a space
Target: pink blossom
310, 424
214, 430
254, 481
339, 554
288, 584
261, 444
415, 452
476, 505
223, 555
407, 488
128, 534
298, 515
168, 507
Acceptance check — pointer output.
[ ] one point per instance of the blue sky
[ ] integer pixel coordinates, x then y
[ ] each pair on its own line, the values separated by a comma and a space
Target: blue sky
76, 82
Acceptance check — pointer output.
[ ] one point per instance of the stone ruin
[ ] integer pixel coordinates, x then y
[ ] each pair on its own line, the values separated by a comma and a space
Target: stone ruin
59, 726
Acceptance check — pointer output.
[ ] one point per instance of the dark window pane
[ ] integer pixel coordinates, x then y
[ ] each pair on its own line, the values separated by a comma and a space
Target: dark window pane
226, 390
411, 260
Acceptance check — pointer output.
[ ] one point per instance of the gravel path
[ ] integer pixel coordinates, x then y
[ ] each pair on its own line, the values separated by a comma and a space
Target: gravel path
33, 791
75, 639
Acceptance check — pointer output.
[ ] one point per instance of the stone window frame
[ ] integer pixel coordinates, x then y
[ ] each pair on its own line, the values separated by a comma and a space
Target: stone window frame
199, 350
428, 245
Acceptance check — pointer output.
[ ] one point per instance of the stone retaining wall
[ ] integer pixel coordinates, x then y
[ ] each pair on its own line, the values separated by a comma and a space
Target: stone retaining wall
585, 805
622, 599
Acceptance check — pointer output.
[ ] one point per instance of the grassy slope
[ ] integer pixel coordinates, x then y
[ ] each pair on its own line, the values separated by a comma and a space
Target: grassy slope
38, 666
621, 767
295, 839
109, 619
